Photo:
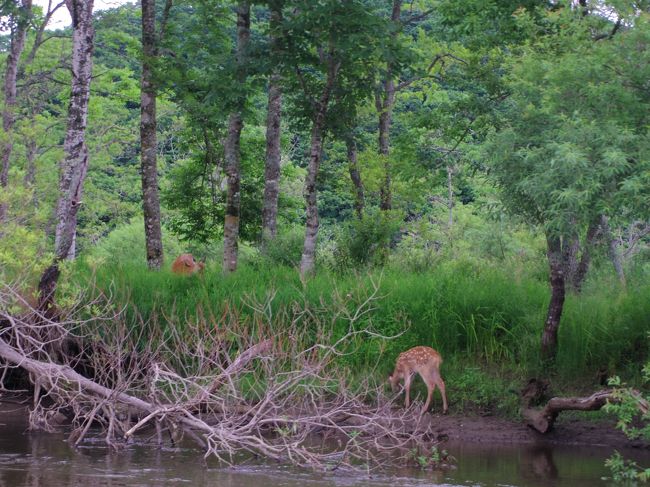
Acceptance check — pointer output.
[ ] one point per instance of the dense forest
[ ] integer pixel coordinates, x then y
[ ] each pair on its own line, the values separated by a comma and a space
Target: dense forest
471, 176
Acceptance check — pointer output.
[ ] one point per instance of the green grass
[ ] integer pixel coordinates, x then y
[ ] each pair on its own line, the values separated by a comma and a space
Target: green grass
486, 324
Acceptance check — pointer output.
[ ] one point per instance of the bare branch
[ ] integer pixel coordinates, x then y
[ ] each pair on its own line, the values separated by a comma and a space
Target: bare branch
268, 382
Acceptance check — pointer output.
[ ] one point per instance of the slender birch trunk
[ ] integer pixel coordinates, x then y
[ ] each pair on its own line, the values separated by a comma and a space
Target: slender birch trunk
614, 254
75, 164
385, 103
30, 164
308, 260
582, 269
355, 176
148, 140
450, 196
18, 34
232, 151
273, 121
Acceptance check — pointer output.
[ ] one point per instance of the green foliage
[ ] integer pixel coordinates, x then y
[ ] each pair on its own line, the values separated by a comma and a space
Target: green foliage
632, 409
196, 192
430, 458
365, 241
626, 470
286, 248
22, 254
125, 247
326, 35
570, 147
566, 122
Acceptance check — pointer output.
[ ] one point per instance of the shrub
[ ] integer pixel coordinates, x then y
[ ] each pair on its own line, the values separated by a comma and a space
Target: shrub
366, 241
126, 246
286, 248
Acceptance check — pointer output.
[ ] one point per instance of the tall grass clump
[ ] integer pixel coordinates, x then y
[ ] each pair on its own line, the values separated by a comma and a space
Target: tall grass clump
605, 328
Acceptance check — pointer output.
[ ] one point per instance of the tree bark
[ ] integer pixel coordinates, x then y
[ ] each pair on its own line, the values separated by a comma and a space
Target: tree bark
75, 165
30, 163
543, 419
556, 305
385, 103
148, 140
450, 196
273, 120
308, 259
18, 34
582, 269
614, 254
232, 151
355, 176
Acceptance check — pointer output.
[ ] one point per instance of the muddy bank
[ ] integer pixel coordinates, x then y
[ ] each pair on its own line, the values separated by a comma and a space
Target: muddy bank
567, 431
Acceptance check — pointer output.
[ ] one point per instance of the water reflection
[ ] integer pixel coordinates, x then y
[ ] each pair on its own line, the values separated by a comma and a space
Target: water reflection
46, 460
537, 463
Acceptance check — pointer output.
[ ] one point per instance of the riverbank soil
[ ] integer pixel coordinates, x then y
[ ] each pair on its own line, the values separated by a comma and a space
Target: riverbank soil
567, 431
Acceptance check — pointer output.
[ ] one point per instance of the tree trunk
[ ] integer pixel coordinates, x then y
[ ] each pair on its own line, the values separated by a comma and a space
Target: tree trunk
581, 271
232, 151
556, 305
273, 119
233, 200
30, 163
308, 260
18, 33
75, 165
148, 141
385, 104
385, 192
450, 196
614, 254
355, 176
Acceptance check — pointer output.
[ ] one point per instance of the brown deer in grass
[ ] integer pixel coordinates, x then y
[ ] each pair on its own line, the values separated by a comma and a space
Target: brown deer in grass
186, 264
426, 362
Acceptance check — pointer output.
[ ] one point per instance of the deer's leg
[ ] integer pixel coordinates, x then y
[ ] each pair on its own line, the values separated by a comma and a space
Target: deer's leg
441, 384
407, 389
431, 386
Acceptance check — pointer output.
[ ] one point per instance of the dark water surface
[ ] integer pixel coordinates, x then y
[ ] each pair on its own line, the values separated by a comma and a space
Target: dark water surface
46, 460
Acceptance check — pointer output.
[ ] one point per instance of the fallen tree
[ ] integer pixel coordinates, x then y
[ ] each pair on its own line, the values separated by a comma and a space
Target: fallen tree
269, 386
542, 419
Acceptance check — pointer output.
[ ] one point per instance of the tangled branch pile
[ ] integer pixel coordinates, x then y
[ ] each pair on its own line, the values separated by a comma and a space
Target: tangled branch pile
271, 384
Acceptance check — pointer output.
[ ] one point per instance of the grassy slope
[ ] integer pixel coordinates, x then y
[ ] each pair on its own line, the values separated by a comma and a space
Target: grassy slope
485, 319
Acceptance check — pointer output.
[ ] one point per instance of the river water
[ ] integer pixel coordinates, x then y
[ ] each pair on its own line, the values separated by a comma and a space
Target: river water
46, 460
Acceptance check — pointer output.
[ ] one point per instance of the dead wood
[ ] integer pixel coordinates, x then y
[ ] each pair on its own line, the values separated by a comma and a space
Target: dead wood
543, 419
270, 397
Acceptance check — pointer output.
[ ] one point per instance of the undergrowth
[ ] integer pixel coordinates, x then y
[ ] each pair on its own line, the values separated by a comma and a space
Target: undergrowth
486, 325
